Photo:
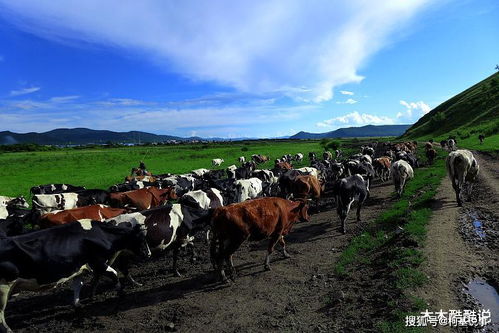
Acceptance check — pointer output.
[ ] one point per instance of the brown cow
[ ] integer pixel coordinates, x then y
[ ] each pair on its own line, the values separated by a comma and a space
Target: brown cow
142, 199
431, 154
428, 146
95, 212
382, 167
306, 186
254, 220
283, 165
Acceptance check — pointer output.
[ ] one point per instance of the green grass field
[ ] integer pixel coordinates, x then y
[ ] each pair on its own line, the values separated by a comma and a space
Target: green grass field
101, 168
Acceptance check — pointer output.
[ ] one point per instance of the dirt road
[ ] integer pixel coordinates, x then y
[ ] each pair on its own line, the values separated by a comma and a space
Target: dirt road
454, 252
290, 297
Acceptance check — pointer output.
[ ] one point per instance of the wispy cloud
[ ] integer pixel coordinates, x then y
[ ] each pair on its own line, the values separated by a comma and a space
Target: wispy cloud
346, 92
238, 44
413, 110
64, 99
348, 101
355, 118
24, 91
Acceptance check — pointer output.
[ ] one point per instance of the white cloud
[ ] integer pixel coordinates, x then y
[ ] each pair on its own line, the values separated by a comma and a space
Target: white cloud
24, 91
413, 109
348, 101
241, 44
355, 118
63, 99
345, 92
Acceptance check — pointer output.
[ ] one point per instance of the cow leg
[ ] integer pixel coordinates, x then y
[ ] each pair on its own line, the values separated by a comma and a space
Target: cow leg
176, 250
229, 250
101, 269
458, 194
283, 244
4, 297
123, 265
76, 284
273, 240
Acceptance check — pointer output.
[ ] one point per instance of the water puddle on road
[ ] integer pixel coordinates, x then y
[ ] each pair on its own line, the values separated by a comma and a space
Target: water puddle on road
477, 225
486, 295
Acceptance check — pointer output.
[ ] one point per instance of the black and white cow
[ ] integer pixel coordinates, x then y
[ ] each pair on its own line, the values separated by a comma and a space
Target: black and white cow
298, 157
47, 258
55, 188
312, 156
462, 169
248, 189
346, 191
92, 197
11, 203
45, 203
166, 227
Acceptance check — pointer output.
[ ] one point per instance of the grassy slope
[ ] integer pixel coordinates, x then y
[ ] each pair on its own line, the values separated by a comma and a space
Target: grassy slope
474, 111
101, 168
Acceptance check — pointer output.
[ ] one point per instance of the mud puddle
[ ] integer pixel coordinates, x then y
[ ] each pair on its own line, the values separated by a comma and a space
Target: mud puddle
487, 298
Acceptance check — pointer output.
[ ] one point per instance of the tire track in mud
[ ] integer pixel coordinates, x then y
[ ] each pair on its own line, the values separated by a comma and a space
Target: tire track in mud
291, 297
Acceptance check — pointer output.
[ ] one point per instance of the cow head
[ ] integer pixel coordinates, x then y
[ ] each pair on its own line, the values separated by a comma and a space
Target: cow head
301, 210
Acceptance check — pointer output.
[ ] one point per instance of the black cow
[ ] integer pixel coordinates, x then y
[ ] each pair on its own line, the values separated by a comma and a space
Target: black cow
47, 258
92, 197
55, 188
346, 191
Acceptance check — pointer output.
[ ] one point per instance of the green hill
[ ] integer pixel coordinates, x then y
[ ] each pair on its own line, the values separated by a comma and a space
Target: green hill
474, 111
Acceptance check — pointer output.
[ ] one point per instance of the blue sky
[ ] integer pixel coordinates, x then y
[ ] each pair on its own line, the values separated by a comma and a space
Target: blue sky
237, 68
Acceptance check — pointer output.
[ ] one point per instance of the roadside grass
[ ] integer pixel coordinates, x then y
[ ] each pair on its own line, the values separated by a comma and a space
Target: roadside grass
394, 241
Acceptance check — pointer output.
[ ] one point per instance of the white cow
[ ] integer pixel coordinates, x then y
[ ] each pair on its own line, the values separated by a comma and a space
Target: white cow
242, 159
248, 189
401, 172
46, 203
462, 169
217, 161
200, 172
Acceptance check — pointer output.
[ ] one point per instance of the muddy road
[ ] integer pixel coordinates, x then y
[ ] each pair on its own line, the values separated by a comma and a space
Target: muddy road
290, 297
463, 245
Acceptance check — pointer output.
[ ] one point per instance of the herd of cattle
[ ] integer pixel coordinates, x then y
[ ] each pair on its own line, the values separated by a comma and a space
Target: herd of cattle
96, 230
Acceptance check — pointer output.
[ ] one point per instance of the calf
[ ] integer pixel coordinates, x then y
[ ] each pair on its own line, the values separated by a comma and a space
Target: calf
431, 154
217, 161
401, 172
252, 220
47, 258
462, 169
346, 191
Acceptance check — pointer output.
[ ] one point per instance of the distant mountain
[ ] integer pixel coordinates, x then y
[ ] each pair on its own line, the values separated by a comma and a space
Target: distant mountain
78, 136
353, 132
